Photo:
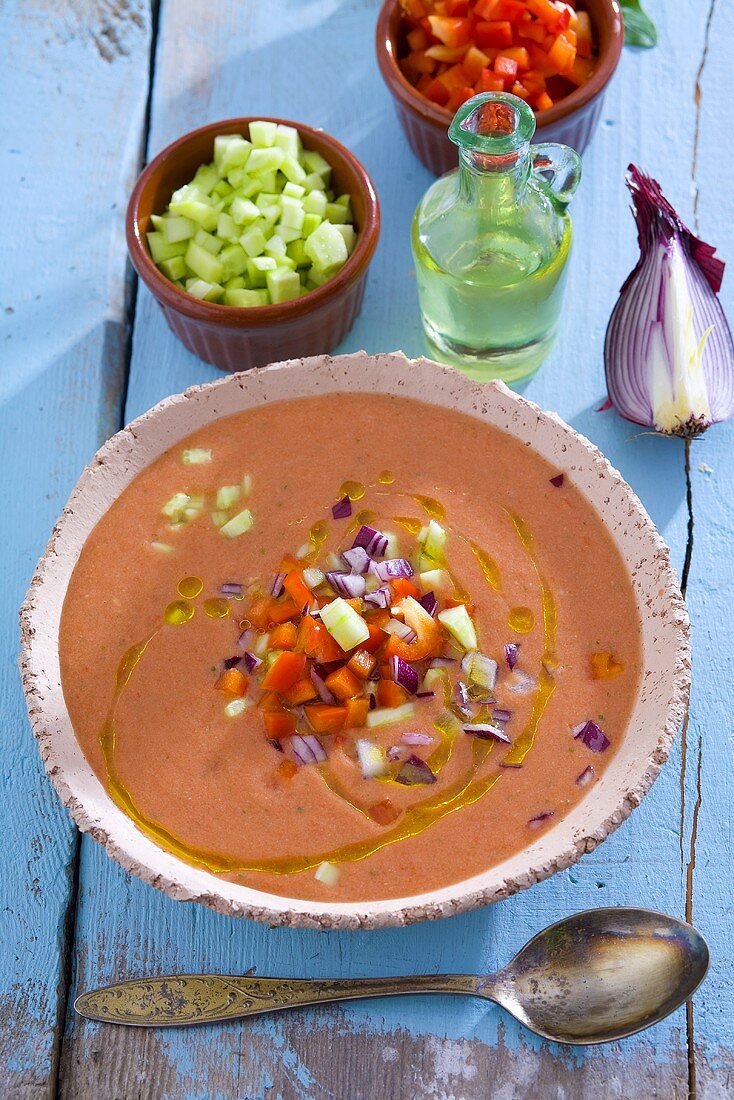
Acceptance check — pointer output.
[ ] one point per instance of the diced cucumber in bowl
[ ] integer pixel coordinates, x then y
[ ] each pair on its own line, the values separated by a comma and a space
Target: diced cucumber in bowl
258, 226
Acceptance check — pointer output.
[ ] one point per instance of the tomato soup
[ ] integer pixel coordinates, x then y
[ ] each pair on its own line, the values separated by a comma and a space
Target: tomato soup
349, 647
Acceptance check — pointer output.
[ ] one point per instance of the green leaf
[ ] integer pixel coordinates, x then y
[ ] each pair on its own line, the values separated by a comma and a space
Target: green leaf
639, 29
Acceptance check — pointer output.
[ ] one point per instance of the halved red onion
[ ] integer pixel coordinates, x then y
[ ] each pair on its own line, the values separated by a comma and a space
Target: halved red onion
246, 639
512, 652
277, 745
276, 588
585, 777
318, 682
430, 603
557, 480
231, 589
380, 598
357, 559
307, 749
400, 630
392, 568
232, 662
251, 661
342, 509
349, 585
501, 715
374, 542
416, 739
404, 674
413, 771
593, 736
487, 732
540, 819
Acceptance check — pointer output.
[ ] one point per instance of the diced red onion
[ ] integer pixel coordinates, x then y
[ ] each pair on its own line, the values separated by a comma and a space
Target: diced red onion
276, 588
231, 589
392, 568
416, 739
413, 771
441, 662
486, 732
307, 749
394, 753
593, 736
357, 559
462, 694
425, 694
342, 509
318, 682
404, 674
504, 765
373, 702
512, 652
400, 630
380, 598
501, 715
277, 745
585, 777
349, 585
246, 639
374, 542
251, 661
232, 662
539, 819
557, 480
430, 603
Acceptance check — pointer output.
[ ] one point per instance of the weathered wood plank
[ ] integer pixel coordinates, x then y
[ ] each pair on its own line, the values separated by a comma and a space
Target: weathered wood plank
711, 596
315, 63
73, 88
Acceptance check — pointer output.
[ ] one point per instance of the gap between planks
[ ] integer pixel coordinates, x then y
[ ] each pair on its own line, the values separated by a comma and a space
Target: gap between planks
130, 305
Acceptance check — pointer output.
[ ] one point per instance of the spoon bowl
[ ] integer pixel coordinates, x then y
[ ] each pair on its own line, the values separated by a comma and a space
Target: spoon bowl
602, 975
593, 977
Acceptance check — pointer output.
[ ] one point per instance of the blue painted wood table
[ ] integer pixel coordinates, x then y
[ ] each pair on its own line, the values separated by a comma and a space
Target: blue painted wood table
89, 90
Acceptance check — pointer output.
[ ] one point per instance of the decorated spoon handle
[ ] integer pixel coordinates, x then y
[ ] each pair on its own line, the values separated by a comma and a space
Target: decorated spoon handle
180, 999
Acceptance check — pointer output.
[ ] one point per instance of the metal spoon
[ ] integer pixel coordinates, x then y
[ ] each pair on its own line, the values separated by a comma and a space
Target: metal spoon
593, 977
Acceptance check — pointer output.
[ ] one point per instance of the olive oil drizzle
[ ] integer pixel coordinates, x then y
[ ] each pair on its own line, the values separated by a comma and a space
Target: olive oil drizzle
463, 791
546, 683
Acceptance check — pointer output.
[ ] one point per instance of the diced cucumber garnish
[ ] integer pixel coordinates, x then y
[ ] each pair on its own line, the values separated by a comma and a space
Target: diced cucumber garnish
459, 625
262, 196
346, 626
372, 758
196, 456
227, 495
239, 524
236, 707
437, 581
388, 716
182, 507
328, 873
434, 544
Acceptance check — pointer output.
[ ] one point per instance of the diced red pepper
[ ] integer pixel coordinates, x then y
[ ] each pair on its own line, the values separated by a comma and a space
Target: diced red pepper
303, 691
543, 102
473, 63
357, 711
417, 39
284, 671
286, 769
491, 82
323, 718
562, 54
279, 723
384, 812
362, 664
459, 96
283, 636
343, 683
376, 638
506, 68
315, 641
605, 666
233, 682
296, 588
437, 93
390, 694
518, 54
450, 31
494, 34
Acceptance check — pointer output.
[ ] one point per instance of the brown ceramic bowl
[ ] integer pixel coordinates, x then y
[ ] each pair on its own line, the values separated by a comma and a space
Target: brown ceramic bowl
571, 121
235, 338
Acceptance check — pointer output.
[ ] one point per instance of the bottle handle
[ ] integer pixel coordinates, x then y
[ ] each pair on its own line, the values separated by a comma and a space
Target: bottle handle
558, 170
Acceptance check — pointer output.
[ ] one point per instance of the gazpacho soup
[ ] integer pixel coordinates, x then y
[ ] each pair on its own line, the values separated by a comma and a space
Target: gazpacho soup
349, 647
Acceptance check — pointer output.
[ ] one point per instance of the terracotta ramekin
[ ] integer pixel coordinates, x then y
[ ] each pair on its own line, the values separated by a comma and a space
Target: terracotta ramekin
234, 338
572, 121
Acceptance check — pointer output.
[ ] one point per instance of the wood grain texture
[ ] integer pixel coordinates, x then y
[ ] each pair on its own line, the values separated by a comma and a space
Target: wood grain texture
65, 170
242, 62
312, 60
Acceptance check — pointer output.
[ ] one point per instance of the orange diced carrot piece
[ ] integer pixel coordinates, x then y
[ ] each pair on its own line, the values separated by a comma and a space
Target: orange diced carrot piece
324, 718
286, 769
357, 711
303, 691
342, 683
233, 682
284, 671
279, 723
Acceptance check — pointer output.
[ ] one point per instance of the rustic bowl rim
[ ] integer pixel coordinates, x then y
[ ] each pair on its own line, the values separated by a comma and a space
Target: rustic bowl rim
418, 105
234, 317
115, 464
